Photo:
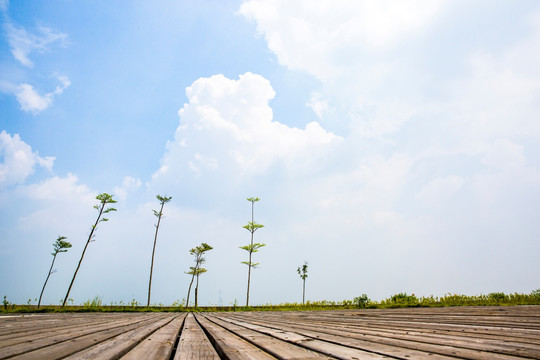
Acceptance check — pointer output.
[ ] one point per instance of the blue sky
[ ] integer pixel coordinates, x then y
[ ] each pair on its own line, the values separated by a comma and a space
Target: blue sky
394, 146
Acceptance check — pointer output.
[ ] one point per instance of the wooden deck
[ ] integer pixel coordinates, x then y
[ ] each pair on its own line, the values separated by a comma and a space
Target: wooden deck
439, 333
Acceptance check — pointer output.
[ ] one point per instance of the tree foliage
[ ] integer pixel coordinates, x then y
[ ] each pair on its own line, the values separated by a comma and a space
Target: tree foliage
252, 247
162, 201
59, 246
197, 270
102, 208
303, 272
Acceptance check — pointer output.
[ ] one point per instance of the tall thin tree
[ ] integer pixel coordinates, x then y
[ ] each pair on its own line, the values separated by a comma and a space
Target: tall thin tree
251, 226
196, 270
104, 200
162, 201
303, 275
59, 246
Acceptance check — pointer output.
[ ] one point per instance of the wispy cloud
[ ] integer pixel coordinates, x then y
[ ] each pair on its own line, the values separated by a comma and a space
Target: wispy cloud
31, 101
23, 43
4, 4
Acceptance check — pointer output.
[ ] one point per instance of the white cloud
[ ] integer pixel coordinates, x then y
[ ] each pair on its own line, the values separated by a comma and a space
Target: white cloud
440, 190
23, 43
129, 184
58, 204
19, 161
319, 36
30, 100
233, 120
57, 188
318, 105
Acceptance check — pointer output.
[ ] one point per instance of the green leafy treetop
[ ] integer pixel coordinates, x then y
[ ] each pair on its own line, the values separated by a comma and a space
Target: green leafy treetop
60, 245
104, 199
303, 271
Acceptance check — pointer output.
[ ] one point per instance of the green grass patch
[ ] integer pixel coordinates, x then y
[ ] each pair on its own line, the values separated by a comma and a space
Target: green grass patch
401, 300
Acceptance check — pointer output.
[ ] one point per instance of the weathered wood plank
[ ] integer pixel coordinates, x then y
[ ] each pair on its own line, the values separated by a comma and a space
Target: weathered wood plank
34, 324
73, 345
469, 341
336, 346
70, 329
120, 345
230, 346
194, 344
159, 345
440, 333
280, 346
443, 346
63, 342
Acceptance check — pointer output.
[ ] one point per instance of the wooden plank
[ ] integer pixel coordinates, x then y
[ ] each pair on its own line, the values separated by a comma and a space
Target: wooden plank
530, 334
159, 345
65, 328
73, 345
468, 341
363, 340
63, 341
279, 346
118, 346
336, 347
230, 346
193, 343
35, 324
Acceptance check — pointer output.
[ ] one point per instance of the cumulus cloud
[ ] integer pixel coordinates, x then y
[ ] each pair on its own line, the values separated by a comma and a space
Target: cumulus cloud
437, 139
234, 121
23, 43
19, 161
321, 37
129, 184
31, 101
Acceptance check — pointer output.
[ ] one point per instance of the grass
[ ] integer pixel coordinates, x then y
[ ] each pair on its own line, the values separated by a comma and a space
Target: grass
401, 300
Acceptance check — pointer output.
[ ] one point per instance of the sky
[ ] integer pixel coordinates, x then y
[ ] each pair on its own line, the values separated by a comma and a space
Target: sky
394, 146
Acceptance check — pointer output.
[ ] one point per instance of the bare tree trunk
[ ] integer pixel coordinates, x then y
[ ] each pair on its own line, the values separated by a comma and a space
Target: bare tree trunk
197, 291
84, 251
47, 279
304, 292
153, 252
249, 274
189, 290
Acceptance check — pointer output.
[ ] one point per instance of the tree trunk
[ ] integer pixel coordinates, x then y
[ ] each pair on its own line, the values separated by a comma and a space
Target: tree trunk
153, 252
304, 292
249, 273
47, 279
82, 256
197, 291
189, 290
250, 252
